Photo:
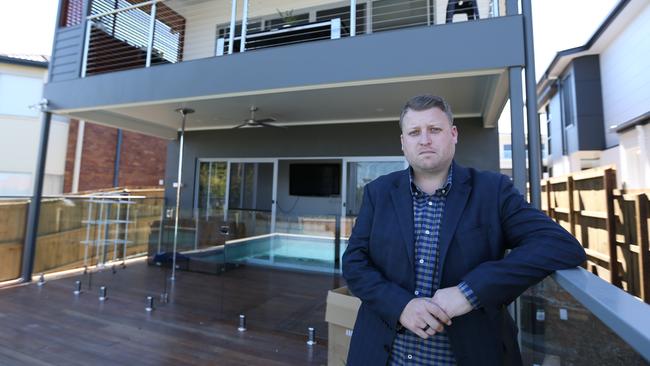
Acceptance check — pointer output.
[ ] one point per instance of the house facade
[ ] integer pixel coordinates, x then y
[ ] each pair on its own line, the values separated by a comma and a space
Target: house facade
596, 98
329, 86
21, 86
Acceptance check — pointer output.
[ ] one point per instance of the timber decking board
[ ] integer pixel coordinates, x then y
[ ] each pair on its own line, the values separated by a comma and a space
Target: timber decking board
49, 325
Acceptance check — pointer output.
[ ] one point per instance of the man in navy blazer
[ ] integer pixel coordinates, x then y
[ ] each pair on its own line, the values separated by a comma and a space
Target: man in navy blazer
427, 255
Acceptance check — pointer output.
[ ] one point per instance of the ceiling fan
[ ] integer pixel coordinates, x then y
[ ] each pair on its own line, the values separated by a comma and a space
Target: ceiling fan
252, 122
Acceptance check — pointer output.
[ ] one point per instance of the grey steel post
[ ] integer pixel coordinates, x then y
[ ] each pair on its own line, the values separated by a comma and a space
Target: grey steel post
517, 127
184, 112
152, 30
534, 137
31, 231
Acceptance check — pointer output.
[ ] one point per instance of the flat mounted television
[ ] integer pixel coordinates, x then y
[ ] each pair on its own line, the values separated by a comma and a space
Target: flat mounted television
315, 179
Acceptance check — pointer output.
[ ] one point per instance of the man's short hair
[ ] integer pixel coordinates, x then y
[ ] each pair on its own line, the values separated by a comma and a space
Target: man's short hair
424, 102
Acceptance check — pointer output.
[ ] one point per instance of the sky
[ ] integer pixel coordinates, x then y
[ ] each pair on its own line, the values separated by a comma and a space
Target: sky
27, 26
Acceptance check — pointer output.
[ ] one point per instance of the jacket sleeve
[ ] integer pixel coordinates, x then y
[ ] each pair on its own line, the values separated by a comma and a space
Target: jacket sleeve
364, 279
539, 246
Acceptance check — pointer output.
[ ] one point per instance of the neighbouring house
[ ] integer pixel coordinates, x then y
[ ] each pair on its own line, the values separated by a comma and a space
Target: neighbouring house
597, 99
21, 87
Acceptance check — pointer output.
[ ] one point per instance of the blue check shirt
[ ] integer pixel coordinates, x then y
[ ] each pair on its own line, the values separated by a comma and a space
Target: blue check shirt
408, 348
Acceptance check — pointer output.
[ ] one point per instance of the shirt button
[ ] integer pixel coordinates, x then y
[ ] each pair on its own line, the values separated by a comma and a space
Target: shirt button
410, 357
430, 203
421, 261
417, 292
426, 232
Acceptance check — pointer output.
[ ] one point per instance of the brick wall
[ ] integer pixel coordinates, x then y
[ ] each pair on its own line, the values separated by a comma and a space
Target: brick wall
142, 160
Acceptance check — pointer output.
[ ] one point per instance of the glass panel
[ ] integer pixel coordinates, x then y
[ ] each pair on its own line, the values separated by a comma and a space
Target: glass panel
13, 217
74, 232
557, 330
360, 174
212, 189
250, 198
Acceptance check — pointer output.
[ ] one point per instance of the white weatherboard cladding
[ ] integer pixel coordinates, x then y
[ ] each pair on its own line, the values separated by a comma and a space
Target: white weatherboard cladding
624, 76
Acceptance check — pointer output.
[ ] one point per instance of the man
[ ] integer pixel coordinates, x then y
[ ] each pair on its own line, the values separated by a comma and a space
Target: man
427, 254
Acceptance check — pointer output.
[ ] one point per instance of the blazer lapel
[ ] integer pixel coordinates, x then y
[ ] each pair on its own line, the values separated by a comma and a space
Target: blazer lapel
454, 206
401, 195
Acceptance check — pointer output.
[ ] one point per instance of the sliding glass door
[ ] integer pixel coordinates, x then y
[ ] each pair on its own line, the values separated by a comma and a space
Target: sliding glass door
357, 173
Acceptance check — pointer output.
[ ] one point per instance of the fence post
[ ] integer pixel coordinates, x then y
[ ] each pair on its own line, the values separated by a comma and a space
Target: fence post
641, 213
609, 183
572, 211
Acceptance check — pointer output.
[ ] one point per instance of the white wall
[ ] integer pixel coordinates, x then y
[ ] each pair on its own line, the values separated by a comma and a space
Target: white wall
20, 87
635, 164
624, 73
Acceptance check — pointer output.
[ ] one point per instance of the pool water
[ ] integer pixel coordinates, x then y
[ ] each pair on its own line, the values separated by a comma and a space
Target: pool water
278, 250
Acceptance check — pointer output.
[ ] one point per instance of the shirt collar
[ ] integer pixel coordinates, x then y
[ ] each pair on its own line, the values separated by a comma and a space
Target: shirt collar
442, 191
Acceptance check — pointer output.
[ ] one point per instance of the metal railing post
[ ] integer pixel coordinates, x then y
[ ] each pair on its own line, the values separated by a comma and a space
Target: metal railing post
233, 19
152, 30
84, 60
244, 27
353, 18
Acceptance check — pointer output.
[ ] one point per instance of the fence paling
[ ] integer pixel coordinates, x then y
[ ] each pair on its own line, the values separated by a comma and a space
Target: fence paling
644, 253
586, 204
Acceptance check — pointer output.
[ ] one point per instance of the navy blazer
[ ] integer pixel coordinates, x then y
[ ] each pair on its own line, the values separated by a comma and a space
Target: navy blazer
484, 216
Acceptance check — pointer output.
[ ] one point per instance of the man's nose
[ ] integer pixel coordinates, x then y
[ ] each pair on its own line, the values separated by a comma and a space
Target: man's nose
425, 138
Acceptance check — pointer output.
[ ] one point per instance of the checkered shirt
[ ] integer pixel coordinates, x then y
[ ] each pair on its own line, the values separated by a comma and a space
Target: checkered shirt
408, 348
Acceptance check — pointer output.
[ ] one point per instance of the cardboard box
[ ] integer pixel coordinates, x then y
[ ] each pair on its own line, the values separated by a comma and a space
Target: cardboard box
341, 313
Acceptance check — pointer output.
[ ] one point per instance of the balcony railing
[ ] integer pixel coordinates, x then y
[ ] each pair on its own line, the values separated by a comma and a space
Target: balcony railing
122, 35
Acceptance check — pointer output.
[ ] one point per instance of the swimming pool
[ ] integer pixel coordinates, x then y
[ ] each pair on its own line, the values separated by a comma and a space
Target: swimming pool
301, 252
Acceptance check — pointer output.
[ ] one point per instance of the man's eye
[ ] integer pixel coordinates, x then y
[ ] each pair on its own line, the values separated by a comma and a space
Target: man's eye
414, 133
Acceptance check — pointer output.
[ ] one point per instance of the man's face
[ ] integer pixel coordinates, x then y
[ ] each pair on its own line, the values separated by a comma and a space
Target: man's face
428, 140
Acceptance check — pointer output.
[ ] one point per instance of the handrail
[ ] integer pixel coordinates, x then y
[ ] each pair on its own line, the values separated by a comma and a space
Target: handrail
625, 315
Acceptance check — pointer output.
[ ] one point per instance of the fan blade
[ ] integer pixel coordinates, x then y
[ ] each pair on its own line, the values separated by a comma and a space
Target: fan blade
265, 120
270, 125
241, 125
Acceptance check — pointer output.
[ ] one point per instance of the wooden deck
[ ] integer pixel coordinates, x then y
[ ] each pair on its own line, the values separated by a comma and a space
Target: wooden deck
49, 325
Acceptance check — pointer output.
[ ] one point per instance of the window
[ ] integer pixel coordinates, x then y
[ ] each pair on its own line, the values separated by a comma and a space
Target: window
568, 101
507, 151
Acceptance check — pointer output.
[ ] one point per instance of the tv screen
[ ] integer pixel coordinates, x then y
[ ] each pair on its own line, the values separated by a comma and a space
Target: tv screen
315, 179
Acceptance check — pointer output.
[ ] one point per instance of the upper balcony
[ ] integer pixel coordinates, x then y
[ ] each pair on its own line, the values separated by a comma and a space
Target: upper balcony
127, 54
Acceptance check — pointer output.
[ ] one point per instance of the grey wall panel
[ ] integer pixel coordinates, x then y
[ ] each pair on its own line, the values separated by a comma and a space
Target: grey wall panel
459, 47
477, 147
589, 103
67, 52
65, 68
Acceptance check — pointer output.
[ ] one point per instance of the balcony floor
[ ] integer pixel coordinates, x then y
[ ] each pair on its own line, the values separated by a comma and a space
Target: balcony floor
49, 325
